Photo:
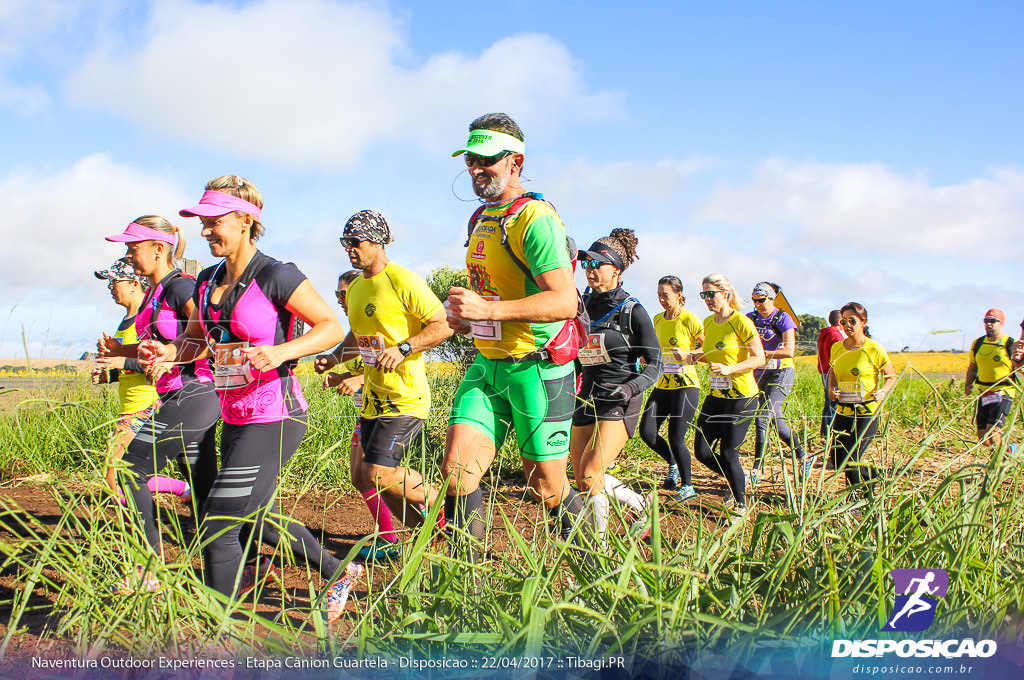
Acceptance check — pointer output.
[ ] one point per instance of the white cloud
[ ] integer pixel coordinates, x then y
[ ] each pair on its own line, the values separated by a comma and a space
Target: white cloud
316, 82
54, 223
864, 209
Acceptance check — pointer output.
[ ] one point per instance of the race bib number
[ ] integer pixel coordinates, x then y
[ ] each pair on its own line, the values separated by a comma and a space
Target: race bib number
230, 365
594, 353
989, 399
357, 400
720, 382
773, 364
370, 347
670, 364
487, 330
851, 393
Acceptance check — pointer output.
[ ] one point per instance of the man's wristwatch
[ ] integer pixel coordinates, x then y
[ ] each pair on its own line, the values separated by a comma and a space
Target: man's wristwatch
405, 348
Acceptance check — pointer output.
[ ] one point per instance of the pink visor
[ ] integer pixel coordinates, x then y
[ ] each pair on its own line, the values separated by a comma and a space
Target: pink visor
136, 232
216, 203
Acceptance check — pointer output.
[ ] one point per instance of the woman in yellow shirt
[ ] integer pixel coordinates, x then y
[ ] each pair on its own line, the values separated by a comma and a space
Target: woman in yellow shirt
860, 378
732, 349
677, 393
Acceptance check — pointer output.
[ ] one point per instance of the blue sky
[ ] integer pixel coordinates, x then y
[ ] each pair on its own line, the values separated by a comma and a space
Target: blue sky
868, 151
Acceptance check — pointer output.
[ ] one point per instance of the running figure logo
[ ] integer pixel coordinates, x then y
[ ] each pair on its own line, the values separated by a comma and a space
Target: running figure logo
917, 595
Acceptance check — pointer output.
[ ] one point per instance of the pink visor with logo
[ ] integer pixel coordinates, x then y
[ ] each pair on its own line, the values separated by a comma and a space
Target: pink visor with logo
136, 232
216, 203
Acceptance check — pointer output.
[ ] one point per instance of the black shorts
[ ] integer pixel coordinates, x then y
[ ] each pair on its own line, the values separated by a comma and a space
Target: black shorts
994, 414
590, 409
386, 439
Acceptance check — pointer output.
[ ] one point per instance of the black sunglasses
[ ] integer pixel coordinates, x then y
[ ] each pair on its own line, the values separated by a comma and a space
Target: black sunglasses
485, 161
758, 301
592, 264
340, 294
351, 241
708, 294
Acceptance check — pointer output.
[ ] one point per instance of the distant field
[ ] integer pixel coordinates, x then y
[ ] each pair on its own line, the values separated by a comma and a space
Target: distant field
924, 362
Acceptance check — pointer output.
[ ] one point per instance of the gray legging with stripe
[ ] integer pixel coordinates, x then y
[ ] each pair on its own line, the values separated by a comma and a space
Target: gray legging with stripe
774, 385
239, 506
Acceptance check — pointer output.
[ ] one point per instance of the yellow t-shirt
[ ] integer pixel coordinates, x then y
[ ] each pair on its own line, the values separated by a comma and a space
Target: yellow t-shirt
994, 366
858, 372
726, 343
537, 238
383, 311
136, 393
681, 333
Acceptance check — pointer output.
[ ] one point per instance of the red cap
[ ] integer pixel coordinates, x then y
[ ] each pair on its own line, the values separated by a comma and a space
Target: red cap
996, 314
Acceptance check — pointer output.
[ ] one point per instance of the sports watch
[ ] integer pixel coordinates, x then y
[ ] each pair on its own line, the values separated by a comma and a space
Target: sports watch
405, 348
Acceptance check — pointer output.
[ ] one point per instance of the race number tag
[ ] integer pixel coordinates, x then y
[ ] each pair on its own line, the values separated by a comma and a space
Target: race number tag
670, 364
487, 330
720, 382
370, 347
594, 353
230, 365
851, 393
773, 364
357, 400
989, 399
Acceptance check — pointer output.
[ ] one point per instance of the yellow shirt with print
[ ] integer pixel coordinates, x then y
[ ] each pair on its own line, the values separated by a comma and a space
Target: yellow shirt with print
680, 333
537, 238
383, 311
994, 366
726, 343
858, 372
135, 391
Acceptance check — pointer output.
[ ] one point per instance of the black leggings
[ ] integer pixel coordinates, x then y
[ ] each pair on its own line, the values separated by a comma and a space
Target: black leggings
185, 424
678, 406
851, 436
773, 385
251, 460
725, 421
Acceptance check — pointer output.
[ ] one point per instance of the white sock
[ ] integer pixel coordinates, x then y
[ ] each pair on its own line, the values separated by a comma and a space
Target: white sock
597, 512
622, 493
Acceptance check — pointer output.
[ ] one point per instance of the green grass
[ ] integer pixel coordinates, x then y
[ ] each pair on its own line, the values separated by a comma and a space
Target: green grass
804, 566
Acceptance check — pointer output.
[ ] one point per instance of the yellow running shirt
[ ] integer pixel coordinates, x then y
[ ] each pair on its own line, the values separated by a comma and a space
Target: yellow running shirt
383, 311
136, 393
726, 343
681, 333
994, 366
858, 373
537, 237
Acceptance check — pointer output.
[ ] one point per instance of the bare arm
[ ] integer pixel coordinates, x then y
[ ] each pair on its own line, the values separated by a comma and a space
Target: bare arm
889, 376
972, 375
556, 301
754, 360
787, 350
431, 335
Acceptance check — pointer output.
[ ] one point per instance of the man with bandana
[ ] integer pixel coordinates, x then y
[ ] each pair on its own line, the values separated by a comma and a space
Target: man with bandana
991, 371
393, 318
521, 293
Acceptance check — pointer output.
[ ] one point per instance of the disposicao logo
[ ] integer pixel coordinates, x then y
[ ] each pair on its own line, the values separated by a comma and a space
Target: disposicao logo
917, 595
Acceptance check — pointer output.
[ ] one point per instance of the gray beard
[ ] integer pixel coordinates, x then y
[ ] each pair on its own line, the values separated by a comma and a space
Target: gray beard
492, 190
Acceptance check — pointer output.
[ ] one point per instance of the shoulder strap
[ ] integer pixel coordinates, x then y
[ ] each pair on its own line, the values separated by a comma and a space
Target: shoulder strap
510, 213
975, 347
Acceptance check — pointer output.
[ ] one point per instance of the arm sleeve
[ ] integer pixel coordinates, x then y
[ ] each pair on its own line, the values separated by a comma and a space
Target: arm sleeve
418, 299
647, 345
279, 280
543, 239
132, 364
179, 292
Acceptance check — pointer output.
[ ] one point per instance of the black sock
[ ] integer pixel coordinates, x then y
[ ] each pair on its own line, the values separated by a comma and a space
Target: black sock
467, 513
567, 512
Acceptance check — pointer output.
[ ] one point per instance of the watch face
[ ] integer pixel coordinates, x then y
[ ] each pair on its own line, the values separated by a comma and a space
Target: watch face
405, 348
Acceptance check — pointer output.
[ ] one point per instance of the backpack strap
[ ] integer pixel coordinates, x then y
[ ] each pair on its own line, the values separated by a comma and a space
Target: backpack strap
510, 214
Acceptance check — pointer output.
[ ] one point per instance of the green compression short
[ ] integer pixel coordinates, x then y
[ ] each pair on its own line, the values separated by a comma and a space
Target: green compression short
536, 397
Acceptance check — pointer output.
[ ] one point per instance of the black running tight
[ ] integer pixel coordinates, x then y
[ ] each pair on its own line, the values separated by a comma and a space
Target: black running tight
726, 422
678, 407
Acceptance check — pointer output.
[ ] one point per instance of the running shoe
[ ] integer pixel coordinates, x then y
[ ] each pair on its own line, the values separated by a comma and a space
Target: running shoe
142, 581
672, 480
1012, 449
686, 492
613, 468
739, 514
186, 495
254, 575
807, 464
753, 477
381, 550
337, 594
